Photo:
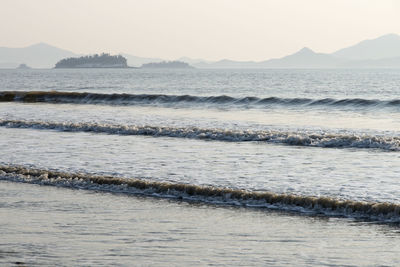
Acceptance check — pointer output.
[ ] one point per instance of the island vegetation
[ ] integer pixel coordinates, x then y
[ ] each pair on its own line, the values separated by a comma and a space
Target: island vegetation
167, 65
93, 61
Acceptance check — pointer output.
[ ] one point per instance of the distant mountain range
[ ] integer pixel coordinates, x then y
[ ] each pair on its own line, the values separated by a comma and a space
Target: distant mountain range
382, 52
37, 56
135, 61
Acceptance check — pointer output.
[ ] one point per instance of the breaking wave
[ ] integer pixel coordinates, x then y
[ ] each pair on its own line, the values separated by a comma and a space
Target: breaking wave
311, 139
381, 211
132, 99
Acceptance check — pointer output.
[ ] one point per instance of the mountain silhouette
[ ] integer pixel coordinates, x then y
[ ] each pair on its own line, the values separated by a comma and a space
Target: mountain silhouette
381, 52
304, 58
135, 61
386, 46
39, 55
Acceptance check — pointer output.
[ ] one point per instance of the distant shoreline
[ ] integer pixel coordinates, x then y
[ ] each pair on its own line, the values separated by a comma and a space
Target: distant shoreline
128, 67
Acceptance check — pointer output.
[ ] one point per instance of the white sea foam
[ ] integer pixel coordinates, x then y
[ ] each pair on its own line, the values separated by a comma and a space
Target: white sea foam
381, 211
311, 139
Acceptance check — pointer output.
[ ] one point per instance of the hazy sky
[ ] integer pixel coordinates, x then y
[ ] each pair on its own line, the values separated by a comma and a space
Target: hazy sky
210, 29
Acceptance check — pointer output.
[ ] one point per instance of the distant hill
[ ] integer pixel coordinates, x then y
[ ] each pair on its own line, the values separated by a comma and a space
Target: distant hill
386, 46
381, 52
135, 61
23, 67
304, 58
37, 56
94, 61
193, 61
167, 65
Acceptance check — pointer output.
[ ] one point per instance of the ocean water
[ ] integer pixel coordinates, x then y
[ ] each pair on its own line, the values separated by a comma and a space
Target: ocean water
205, 167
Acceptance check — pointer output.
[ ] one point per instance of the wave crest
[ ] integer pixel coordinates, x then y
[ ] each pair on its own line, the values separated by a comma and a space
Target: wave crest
326, 205
132, 99
326, 140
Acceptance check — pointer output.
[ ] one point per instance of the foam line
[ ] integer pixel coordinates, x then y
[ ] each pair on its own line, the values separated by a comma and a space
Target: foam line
325, 205
310, 139
132, 99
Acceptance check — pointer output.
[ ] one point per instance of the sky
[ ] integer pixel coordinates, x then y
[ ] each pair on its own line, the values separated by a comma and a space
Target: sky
209, 29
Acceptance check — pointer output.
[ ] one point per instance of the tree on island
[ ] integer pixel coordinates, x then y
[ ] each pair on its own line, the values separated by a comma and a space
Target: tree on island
93, 61
167, 64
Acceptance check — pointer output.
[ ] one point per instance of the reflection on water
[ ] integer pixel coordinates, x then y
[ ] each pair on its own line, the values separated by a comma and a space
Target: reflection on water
103, 229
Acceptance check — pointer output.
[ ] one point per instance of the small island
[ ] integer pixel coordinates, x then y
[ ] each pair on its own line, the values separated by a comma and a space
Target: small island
23, 67
93, 61
167, 65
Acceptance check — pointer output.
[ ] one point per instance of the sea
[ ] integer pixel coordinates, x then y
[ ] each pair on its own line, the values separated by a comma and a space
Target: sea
163, 167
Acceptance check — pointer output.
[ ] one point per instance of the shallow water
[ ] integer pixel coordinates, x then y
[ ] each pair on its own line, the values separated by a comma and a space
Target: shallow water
305, 134
105, 229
